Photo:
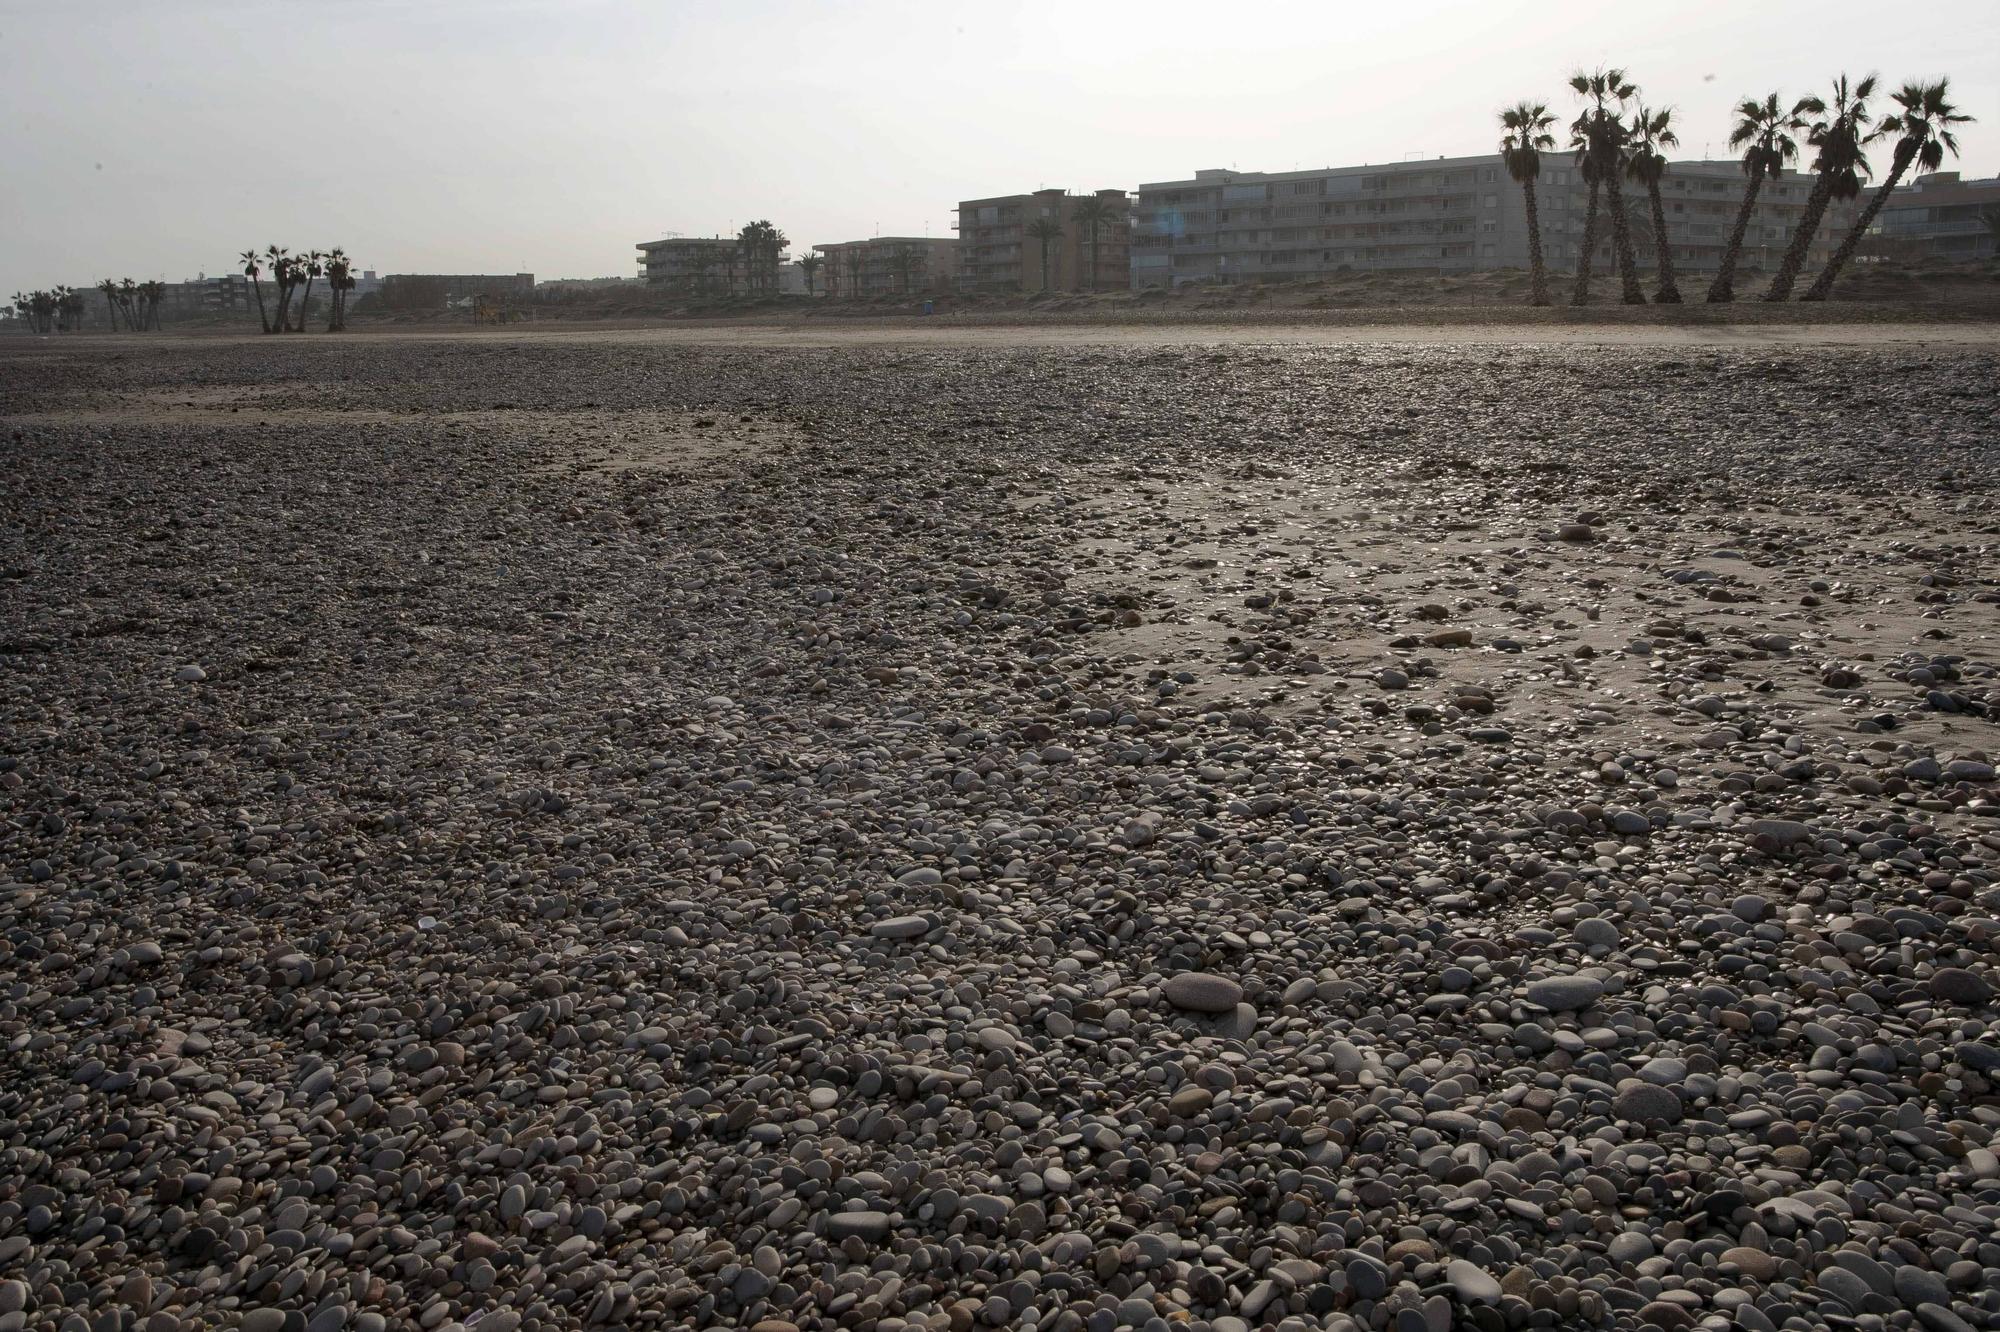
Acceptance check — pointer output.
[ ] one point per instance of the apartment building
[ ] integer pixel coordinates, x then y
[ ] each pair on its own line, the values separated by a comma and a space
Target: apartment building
1444, 215
996, 251
708, 264
1938, 216
888, 266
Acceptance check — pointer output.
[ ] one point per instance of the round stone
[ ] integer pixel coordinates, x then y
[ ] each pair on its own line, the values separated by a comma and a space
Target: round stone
1644, 1103
1202, 992
1564, 993
1956, 985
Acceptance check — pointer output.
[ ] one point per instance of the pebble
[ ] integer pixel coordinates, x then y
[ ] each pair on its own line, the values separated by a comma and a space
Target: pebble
1199, 992
1047, 837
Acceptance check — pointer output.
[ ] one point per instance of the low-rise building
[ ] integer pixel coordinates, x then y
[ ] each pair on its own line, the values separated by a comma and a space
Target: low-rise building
1446, 215
439, 291
887, 266
998, 250
1938, 216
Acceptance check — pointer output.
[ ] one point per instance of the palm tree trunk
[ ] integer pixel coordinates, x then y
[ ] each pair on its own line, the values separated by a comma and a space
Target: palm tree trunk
111, 307
1621, 238
1802, 238
1822, 286
1669, 291
1541, 277
305, 302
1723, 289
262, 318
1581, 296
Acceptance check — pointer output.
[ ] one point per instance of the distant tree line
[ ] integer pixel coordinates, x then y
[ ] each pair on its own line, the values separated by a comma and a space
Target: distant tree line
296, 273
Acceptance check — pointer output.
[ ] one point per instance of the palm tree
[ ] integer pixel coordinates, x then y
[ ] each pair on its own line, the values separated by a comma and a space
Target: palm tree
731, 259
1603, 135
855, 261
809, 263
339, 283
1924, 136
311, 264
251, 269
1089, 213
1651, 132
1047, 231
1586, 166
750, 244
283, 272
1527, 137
1839, 166
110, 289
1764, 133
774, 242
128, 298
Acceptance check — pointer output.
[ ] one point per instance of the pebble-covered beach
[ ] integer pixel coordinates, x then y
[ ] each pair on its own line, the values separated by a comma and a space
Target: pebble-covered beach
516, 833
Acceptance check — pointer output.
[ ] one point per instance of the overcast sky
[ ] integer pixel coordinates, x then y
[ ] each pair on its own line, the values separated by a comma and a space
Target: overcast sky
157, 138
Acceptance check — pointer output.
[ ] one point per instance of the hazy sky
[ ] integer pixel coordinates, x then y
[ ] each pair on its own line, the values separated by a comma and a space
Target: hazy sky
157, 138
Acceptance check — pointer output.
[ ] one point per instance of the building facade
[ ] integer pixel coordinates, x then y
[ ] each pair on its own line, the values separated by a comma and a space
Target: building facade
695, 265
1938, 216
998, 252
887, 266
1446, 215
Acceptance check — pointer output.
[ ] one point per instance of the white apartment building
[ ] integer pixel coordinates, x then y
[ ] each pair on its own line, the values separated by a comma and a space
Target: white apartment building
1447, 214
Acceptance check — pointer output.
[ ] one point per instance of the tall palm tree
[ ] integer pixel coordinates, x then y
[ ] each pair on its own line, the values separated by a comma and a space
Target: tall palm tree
1765, 133
338, 283
1923, 136
750, 245
809, 263
1089, 213
775, 242
1526, 138
110, 289
311, 265
1604, 140
1586, 166
1839, 166
128, 300
1650, 133
282, 270
1046, 231
251, 269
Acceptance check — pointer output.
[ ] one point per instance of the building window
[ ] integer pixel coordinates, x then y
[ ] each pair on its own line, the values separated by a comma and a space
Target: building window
1491, 201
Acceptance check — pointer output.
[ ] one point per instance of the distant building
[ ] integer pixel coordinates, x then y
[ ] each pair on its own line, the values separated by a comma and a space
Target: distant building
888, 266
1938, 216
1446, 215
996, 252
439, 291
583, 284
699, 265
